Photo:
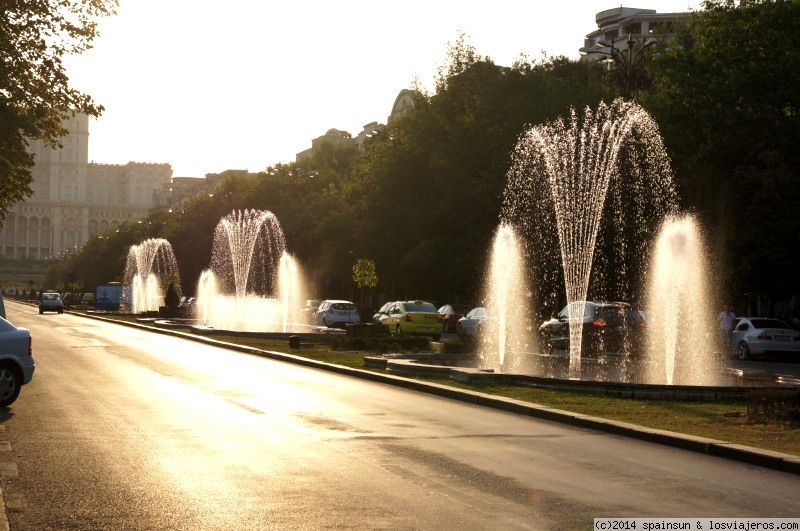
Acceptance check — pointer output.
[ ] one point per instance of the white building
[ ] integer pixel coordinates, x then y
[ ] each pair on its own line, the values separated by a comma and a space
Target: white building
74, 200
620, 23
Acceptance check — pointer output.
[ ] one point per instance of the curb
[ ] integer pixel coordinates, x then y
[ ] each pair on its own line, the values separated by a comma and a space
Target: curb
737, 452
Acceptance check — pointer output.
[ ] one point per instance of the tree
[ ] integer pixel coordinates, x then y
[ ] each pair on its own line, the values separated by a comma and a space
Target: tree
726, 102
35, 95
365, 275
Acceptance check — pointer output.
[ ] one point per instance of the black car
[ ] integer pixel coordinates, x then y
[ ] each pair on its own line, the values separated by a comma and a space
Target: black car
607, 327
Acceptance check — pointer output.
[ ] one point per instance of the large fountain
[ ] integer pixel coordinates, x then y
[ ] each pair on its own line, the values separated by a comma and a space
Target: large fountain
149, 271
253, 284
586, 196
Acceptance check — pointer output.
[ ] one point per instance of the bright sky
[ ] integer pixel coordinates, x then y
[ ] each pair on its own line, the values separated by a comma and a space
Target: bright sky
245, 84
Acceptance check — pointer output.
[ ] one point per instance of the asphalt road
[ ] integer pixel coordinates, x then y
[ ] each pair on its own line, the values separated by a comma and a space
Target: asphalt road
125, 429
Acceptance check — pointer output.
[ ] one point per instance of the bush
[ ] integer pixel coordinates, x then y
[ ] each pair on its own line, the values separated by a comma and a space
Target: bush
381, 344
770, 405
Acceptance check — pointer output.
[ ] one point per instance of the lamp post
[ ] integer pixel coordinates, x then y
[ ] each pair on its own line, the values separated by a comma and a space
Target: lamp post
628, 73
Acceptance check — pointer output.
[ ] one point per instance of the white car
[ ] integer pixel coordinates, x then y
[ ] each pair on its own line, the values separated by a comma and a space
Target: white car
472, 323
335, 313
756, 336
16, 361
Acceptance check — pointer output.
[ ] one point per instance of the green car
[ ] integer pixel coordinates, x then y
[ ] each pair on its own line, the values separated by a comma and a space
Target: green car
413, 317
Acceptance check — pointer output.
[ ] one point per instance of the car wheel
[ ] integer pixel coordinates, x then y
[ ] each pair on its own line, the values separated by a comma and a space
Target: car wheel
41, 311
10, 384
743, 351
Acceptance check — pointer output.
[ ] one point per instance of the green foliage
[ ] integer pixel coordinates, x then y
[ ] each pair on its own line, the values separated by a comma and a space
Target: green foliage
729, 112
364, 273
35, 95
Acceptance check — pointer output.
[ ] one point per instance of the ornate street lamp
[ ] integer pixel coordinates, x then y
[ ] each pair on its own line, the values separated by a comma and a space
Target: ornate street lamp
628, 73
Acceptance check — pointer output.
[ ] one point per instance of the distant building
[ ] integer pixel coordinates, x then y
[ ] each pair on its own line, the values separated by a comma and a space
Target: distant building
403, 102
617, 24
74, 200
335, 136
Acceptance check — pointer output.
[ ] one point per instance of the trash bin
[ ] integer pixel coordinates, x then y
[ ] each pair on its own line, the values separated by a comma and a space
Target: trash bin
294, 341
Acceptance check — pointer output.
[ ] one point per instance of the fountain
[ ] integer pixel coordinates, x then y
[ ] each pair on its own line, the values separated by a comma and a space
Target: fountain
506, 298
678, 300
253, 284
569, 176
149, 270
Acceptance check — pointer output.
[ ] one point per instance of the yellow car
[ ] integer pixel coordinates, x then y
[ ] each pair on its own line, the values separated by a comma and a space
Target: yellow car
413, 317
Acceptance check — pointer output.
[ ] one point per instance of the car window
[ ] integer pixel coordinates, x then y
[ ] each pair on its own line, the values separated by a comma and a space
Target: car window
742, 327
51, 296
344, 306
769, 323
611, 314
420, 307
573, 308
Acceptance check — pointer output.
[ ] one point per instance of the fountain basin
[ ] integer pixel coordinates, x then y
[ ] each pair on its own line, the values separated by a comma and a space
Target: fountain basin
739, 383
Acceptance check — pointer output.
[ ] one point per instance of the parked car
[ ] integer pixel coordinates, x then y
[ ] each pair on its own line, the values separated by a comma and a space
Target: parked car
607, 327
16, 361
336, 314
758, 336
451, 313
50, 301
88, 298
305, 314
473, 321
413, 317
376, 317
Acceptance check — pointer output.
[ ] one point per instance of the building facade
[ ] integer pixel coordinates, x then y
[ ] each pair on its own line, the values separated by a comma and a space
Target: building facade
74, 200
620, 23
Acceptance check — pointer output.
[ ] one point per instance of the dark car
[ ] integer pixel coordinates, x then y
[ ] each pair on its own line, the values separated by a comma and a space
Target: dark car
50, 301
607, 327
451, 313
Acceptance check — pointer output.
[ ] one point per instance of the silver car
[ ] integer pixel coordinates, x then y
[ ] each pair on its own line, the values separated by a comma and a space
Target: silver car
472, 323
16, 361
757, 336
